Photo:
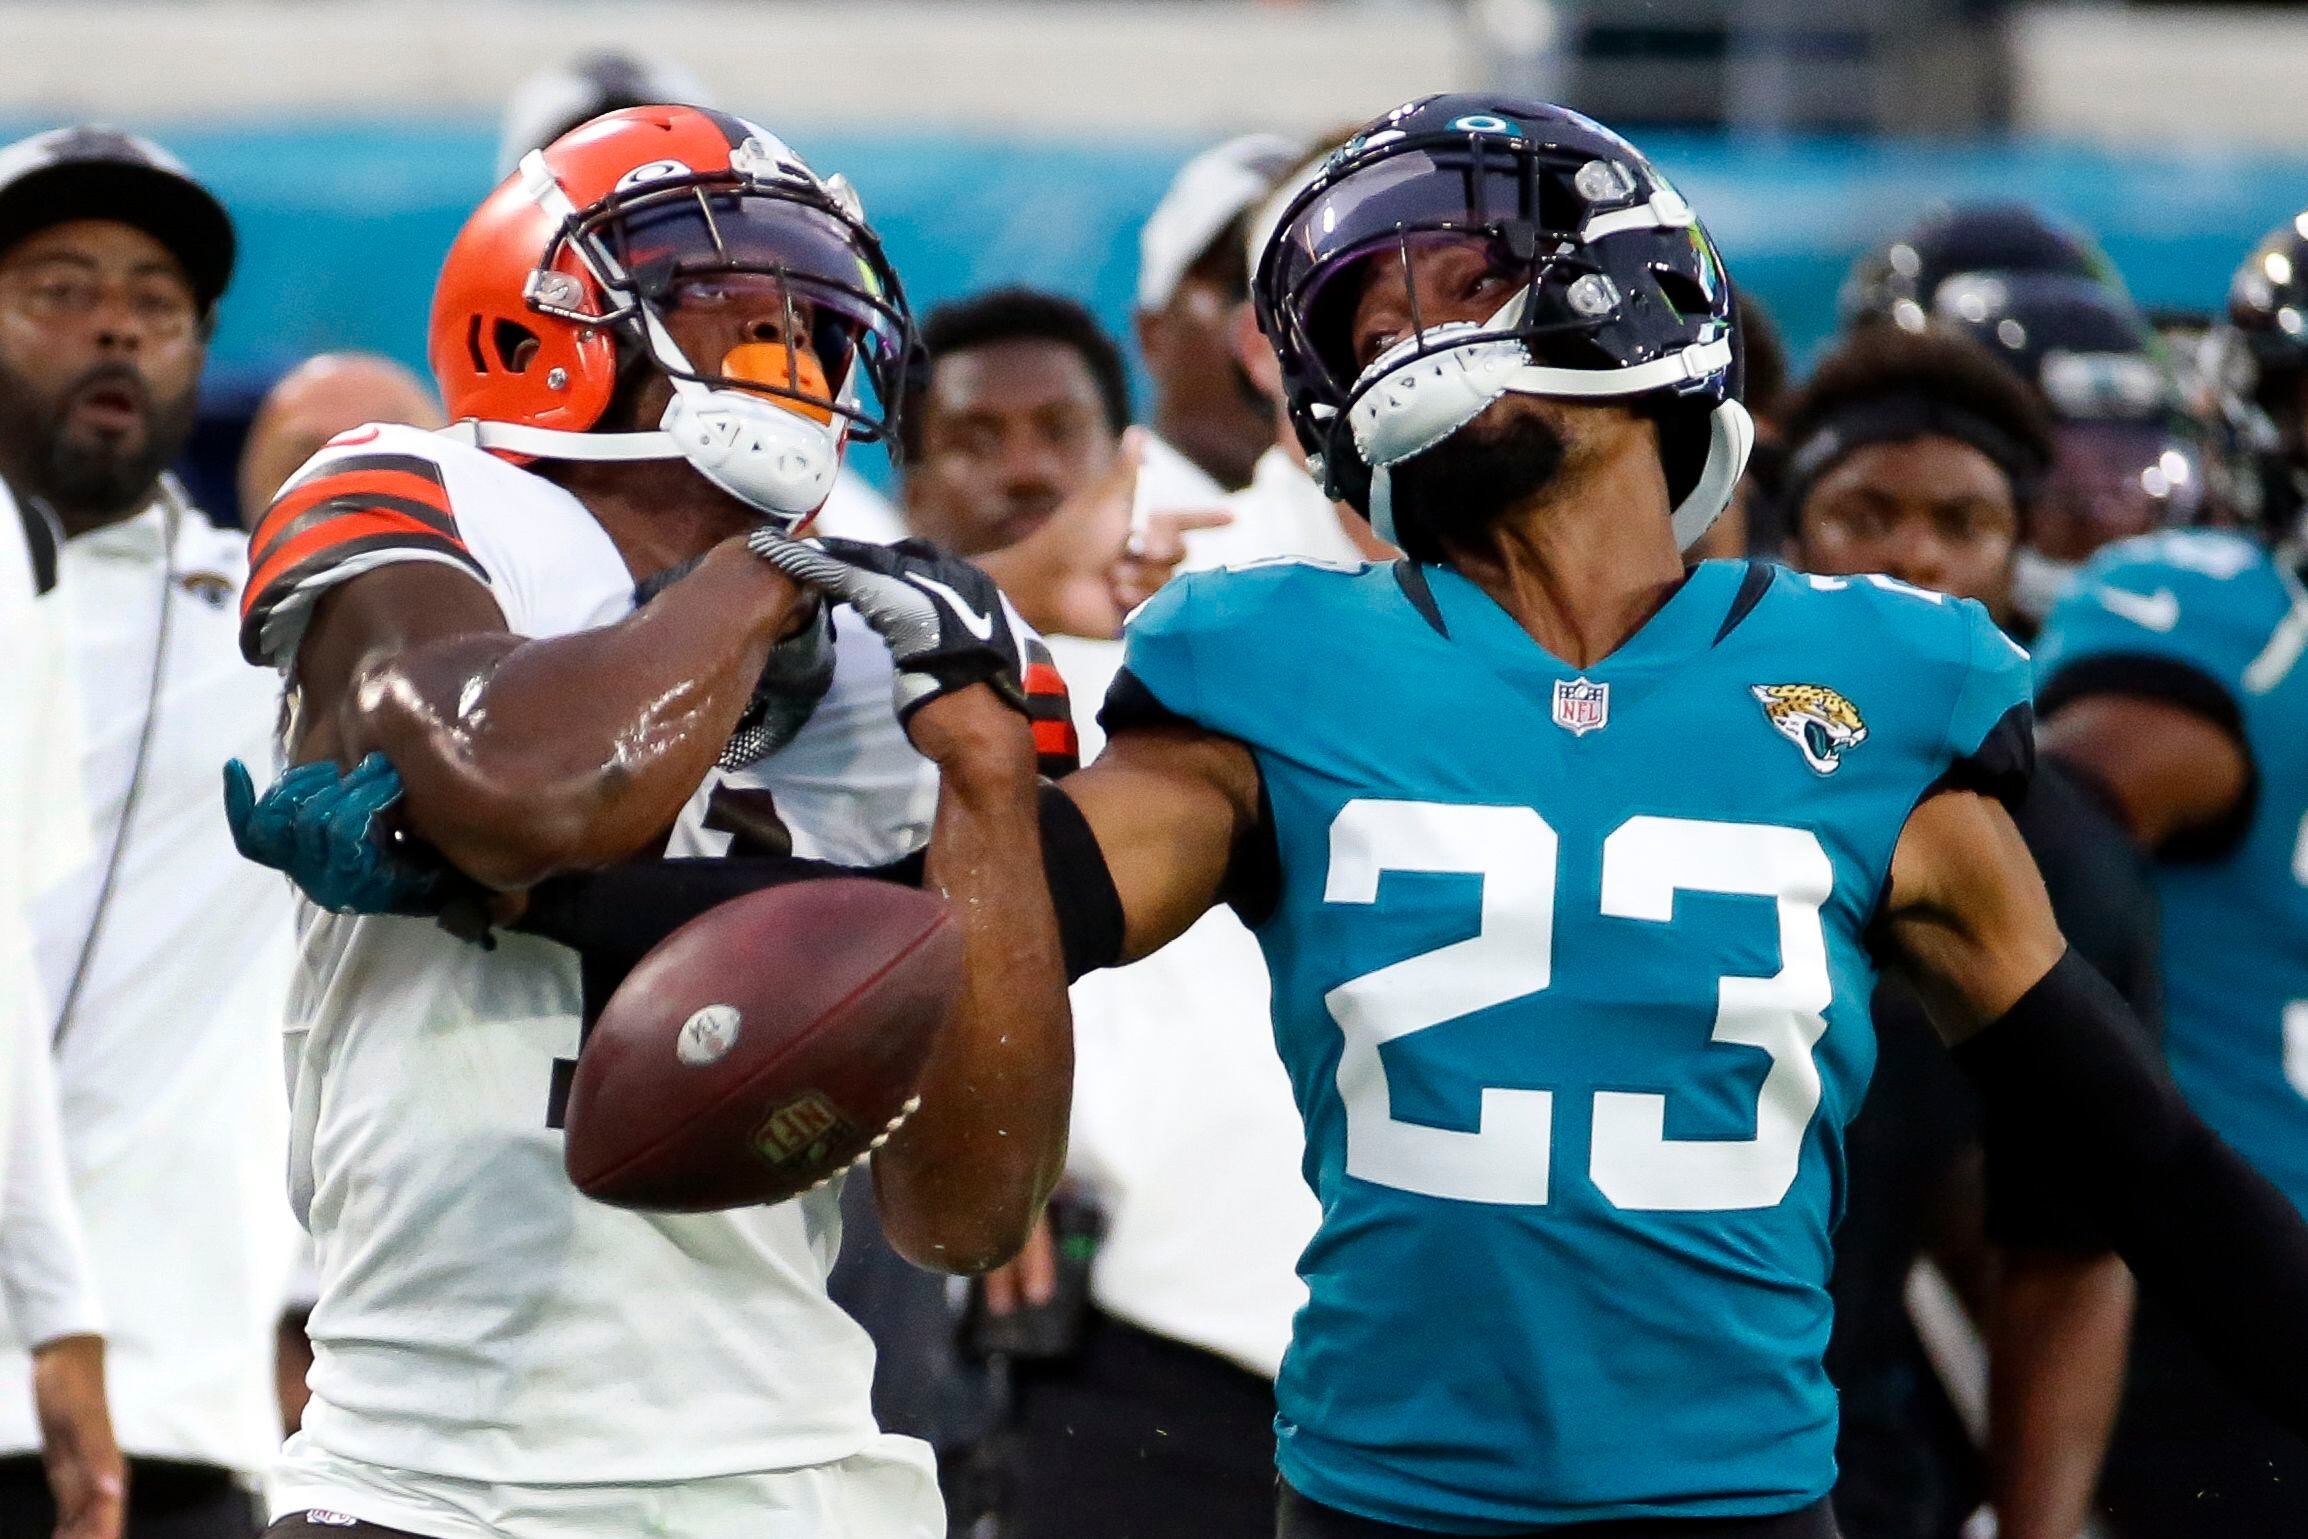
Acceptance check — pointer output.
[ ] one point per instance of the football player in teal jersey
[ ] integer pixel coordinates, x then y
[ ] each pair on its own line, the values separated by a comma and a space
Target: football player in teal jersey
1574, 871
2172, 675
1918, 453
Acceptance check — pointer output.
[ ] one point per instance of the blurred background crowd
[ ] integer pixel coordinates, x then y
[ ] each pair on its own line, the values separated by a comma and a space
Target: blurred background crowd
2017, 282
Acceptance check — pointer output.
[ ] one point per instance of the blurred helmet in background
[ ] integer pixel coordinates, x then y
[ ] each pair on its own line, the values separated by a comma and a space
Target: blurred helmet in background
2216, 376
558, 285
2268, 299
2131, 458
2266, 361
548, 104
1900, 280
1620, 296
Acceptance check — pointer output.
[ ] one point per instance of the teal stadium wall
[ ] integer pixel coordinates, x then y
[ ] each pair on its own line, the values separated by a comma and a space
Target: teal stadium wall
343, 226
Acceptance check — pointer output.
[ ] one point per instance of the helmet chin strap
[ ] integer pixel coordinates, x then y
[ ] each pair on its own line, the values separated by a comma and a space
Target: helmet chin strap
1730, 439
1418, 401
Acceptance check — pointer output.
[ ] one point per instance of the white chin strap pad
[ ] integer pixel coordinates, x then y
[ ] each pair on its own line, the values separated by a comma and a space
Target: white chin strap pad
764, 455
1417, 405
1730, 439
1414, 405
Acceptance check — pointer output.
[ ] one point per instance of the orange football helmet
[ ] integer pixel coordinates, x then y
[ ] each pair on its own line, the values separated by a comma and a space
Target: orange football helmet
559, 281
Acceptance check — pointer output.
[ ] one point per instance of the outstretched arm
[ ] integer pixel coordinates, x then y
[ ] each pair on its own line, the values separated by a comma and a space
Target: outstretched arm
1172, 807
2058, 1064
525, 757
964, 1179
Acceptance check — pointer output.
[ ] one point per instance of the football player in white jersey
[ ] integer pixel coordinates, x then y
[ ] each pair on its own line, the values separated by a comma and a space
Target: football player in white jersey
654, 339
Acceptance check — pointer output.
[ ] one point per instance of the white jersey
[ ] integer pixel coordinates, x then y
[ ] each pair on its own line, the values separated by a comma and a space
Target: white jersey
173, 954
855, 511
479, 1320
45, 1288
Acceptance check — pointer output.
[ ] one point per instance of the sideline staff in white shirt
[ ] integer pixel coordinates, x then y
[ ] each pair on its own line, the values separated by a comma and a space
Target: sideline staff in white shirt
47, 1304
1209, 420
163, 957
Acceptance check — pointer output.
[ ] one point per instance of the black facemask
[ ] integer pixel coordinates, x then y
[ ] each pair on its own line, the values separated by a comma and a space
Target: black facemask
1451, 493
89, 485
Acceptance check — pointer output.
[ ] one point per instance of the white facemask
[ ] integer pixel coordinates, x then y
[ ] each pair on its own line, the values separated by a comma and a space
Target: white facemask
1414, 403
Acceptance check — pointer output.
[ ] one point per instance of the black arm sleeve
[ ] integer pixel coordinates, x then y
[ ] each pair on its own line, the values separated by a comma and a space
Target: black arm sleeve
2105, 902
615, 917
2202, 1230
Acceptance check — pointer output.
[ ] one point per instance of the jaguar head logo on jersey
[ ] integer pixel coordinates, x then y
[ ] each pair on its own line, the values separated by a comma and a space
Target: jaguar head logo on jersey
1817, 720
1582, 706
561, 283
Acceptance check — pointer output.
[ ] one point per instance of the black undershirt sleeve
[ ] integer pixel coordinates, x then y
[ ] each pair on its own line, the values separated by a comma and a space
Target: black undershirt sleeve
2226, 1252
1129, 703
2003, 763
615, 917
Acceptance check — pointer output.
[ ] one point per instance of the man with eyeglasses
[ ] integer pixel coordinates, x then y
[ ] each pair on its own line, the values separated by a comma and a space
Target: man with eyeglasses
162, 959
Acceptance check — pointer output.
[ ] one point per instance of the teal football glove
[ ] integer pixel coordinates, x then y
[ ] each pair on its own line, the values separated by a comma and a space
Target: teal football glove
325, 830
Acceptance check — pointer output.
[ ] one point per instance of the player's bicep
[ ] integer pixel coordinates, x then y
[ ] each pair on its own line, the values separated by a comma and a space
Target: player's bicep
1967, 917
415, 617
1171, 806
2171, 770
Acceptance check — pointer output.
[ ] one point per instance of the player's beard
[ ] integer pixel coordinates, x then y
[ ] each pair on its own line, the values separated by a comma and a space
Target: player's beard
90, 483
1451, 494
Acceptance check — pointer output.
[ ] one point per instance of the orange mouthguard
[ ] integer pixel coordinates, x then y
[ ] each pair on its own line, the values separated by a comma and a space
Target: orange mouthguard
773, 363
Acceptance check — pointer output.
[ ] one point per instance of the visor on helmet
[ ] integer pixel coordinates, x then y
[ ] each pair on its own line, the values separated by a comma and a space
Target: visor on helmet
660, 238
1455, 189
1519, 210
843, 338
1534, 210
1535, 287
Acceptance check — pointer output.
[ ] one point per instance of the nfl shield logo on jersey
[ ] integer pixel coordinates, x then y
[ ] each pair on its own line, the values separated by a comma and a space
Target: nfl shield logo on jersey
1581, 705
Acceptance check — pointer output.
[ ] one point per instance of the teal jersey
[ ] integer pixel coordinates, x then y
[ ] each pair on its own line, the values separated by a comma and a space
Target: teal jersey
2211, 621
1570, 978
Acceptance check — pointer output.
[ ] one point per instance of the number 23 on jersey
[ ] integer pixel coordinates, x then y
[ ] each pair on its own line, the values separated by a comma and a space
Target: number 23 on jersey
1646, 861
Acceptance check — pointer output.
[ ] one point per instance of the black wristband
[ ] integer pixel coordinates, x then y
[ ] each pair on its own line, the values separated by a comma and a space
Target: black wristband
2070, 1085
1081, 887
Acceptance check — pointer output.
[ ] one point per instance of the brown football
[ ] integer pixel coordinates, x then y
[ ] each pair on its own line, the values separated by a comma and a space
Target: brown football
762, 1047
